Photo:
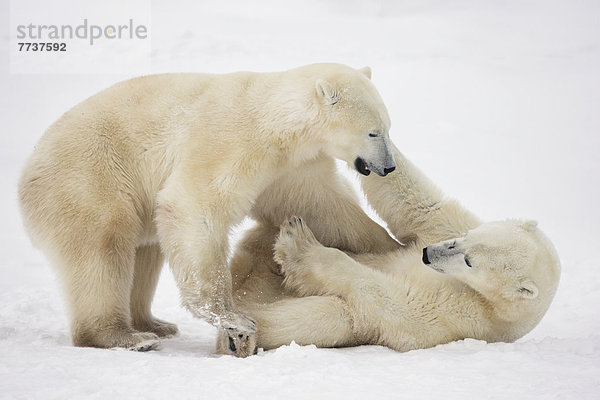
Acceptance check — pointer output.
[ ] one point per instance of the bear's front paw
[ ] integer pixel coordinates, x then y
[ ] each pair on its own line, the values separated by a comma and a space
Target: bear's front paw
237, 337
294, 239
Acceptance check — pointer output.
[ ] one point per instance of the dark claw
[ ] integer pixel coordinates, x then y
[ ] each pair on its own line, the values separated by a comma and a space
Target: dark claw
232, 345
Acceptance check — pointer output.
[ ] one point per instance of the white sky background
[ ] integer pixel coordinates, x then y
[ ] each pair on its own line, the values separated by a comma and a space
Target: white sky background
498, 102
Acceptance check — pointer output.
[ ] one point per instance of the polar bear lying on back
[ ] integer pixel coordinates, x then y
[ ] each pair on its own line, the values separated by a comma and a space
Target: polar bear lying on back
489, 281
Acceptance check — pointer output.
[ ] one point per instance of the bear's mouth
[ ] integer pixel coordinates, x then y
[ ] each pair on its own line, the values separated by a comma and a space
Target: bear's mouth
361, 166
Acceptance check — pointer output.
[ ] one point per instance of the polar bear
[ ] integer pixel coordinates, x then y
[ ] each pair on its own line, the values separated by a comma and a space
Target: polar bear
165, 165
489, 281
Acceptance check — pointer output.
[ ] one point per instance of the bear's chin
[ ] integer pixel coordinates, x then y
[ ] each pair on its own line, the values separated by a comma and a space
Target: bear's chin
361, 166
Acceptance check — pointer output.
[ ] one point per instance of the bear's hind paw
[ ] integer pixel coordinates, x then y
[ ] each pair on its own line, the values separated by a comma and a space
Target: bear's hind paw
295, 237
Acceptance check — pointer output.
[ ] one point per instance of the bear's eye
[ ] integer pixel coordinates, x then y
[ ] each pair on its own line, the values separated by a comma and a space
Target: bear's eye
468, 262
373, 134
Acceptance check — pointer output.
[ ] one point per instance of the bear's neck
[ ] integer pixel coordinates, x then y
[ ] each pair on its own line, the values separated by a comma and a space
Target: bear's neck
489, 319
510, 321
285, 109
473, 317
455, 311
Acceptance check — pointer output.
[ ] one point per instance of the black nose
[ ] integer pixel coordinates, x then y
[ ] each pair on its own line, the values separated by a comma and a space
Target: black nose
425, 258
388, 170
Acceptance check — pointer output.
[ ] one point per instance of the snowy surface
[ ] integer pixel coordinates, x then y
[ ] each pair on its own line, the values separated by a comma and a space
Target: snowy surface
498, 102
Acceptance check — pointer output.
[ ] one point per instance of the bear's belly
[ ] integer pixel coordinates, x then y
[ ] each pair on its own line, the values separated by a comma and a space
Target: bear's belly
148, 235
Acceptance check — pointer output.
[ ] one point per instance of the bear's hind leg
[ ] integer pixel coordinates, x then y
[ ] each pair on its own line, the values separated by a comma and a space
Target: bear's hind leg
148, 264
325, 321
313, 269
98, 283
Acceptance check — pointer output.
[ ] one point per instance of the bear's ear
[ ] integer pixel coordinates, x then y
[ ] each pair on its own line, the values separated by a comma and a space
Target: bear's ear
327, 91
528, 289
366, 71
529, 226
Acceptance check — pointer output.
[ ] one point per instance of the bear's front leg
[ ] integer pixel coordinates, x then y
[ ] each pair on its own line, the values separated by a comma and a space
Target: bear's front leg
195, 243
414, 208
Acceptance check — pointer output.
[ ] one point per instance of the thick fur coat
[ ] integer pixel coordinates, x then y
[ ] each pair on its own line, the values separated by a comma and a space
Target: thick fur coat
163, 166
340, 280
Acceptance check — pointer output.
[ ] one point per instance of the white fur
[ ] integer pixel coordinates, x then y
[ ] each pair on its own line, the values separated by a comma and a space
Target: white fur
166, 164
384, 294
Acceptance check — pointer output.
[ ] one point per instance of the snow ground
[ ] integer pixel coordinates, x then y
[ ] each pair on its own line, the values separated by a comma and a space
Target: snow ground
497, 101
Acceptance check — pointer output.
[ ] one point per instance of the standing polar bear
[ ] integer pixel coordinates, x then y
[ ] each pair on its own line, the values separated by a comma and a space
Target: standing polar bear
489, 281
166, 165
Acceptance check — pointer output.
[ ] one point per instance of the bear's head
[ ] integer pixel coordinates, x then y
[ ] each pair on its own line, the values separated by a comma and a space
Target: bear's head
352, 118
510, 263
